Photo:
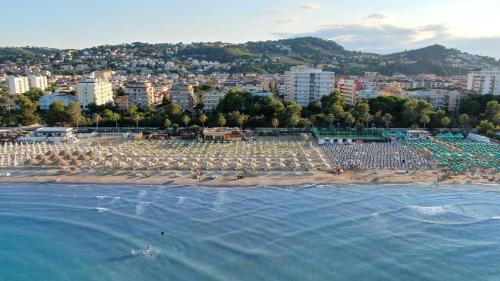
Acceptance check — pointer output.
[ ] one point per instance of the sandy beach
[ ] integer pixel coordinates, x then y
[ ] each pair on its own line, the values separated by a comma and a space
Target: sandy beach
232, 180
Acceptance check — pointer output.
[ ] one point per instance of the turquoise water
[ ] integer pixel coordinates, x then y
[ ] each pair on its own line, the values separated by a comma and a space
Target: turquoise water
391, 232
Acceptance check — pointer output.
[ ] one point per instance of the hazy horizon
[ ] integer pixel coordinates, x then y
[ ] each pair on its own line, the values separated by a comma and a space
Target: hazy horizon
379, 26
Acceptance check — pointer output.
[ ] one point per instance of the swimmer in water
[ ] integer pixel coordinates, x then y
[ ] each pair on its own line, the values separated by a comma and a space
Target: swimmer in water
133, 252
149, 248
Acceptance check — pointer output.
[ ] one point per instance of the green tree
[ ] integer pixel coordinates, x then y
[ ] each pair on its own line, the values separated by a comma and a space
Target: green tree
74, 114
175, 128
330, 118
445, 122
349, 119
96, 118
464, 120
294, 120
111, 116
26, 111
136, 117
167, 123
425, 119
486, 127
241, 119
221, 121
173, 109
203, 119
275, 122
492, 112
185, 120
56, 114
362, 113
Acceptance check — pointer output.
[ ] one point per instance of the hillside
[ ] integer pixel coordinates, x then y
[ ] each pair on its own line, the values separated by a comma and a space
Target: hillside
25, 51
273, 56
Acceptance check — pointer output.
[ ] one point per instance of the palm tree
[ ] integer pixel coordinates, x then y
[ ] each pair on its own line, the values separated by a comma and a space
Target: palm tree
349, 119
167, 123
203, 118
241, 119
275, 122
186, 120
97, 119
330, 118
294, 120
425, 119
114, 117
221, 121
445, 121
464, 120
136, 117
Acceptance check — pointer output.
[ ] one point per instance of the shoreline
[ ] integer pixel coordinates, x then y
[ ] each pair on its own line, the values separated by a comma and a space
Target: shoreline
271, 179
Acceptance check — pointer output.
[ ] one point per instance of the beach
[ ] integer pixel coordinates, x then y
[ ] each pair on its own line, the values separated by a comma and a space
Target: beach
231, 178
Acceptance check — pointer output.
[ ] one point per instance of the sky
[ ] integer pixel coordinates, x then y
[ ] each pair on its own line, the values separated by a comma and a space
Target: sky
379, 26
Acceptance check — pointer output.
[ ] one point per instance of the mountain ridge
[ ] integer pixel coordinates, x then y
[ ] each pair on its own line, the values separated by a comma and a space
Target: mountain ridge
279, 55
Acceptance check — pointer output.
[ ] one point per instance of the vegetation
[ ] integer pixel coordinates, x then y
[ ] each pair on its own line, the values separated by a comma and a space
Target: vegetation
241, 109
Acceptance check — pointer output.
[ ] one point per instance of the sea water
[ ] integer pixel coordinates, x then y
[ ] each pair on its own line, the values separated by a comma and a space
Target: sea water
315, 232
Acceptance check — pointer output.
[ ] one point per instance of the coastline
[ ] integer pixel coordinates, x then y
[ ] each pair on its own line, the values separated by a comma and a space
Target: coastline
270, 179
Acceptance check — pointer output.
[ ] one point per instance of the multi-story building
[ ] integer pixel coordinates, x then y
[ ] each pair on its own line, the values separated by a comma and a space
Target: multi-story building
454, 98
348, 89
438, 100
183, 95
306, 85
18, 85
47, 100
39, 82
484, 82
368, 94
94, 90
211, 99
141, 93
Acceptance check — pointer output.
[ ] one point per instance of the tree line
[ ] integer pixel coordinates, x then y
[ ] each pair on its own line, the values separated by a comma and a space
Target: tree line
244, 110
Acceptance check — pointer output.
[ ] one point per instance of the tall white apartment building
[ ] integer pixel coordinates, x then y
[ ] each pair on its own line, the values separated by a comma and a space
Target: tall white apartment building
94, 90
18, 85
211, 100
305, 85
141, 93
347, 89
39, 82
484, 82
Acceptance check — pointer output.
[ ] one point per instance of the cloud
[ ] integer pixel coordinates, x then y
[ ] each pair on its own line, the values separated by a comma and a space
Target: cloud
377, 16
375, 33
282, 21
309, 6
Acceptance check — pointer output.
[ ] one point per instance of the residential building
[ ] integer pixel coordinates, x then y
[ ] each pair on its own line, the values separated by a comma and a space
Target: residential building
103, 75
183, 95
39, 82
141, 93
121, 102
211, 100
306, 85
454, 98
438, 100
484, 82
348, 89
94, 90
368, 94
46, 100
18, 85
